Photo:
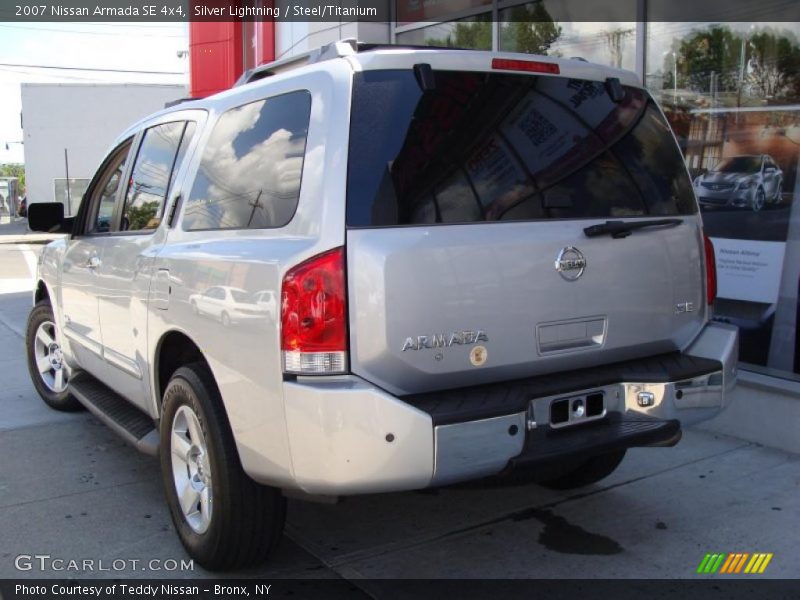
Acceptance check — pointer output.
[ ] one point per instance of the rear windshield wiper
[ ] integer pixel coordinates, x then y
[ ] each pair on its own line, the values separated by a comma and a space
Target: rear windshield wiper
622, 229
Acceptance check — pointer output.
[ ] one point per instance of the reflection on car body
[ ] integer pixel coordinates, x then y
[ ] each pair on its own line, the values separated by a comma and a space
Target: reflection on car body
228, 304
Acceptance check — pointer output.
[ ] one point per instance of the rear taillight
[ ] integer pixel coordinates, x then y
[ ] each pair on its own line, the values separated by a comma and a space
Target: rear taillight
534, 66
314, 316
711, 270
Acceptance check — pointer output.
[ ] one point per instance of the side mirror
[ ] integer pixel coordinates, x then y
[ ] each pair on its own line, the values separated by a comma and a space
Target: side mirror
48, 217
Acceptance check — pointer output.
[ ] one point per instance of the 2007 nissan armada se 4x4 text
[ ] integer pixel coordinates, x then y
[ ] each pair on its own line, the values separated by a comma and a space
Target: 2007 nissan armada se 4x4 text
384, 269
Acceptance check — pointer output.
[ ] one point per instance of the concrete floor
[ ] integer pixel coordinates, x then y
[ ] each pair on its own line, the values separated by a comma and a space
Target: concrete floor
69, 488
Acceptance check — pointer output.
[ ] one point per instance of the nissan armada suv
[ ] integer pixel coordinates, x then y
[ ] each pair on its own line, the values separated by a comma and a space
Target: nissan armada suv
384, 269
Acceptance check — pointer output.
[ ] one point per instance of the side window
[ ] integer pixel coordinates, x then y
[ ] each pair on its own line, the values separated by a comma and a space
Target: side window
150, 178
250, 171
188, 134
104, 194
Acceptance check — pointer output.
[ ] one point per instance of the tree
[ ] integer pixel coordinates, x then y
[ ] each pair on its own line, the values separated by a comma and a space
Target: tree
530, 29
475, 35
714, 50
14, 170
774, 65
140, 217
766, 61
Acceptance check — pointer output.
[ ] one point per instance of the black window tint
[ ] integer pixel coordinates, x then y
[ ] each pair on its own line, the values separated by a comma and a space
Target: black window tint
147, 190
657, 169
456, 200
486, 146
602, 188
250, 172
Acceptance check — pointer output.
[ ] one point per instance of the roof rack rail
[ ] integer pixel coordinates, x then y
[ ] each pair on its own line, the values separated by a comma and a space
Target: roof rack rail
172, 103
345, 47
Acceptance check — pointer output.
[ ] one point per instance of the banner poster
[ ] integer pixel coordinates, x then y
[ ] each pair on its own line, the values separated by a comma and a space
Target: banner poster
744, 167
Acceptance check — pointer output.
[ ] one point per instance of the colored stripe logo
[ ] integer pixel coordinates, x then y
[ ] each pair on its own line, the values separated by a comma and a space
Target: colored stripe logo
734, 562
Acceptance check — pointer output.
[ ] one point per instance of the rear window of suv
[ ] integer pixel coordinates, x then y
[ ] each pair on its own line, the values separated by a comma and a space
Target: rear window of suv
492, 147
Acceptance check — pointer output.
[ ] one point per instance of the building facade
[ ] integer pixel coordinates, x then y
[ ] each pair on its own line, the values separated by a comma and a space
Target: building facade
730, 90
69, 127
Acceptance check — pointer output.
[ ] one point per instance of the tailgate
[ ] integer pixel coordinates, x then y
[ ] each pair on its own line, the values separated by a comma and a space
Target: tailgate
467, 259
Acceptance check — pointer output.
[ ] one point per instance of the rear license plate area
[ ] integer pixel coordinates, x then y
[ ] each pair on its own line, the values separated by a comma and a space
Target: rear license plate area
578, 408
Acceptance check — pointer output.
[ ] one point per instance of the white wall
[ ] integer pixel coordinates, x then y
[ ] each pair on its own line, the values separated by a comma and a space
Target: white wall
83, 118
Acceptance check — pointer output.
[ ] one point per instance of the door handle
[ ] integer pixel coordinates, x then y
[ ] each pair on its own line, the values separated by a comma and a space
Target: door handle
93, 263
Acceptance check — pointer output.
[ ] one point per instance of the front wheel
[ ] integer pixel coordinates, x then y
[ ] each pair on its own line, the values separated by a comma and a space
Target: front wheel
49, 373
591, 471
778, 194
759, 200
224, 519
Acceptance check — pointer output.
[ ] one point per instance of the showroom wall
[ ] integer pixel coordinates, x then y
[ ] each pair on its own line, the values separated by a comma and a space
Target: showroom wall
731, 92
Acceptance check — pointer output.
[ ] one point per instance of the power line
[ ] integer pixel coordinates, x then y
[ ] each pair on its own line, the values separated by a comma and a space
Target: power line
83, 31
95, 69
57, 75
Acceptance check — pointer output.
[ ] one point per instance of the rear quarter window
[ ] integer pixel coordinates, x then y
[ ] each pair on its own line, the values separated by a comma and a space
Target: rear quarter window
251, 167
492, 147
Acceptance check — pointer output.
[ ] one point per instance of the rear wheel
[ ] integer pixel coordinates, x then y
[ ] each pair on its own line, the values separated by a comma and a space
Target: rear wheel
49, 373
224, 519
591, 471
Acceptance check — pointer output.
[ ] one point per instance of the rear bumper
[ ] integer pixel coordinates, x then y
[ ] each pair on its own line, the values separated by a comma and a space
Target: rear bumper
349, 437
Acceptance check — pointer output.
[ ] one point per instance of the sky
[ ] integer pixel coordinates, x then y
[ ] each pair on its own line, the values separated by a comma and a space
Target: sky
82, 46
154, 47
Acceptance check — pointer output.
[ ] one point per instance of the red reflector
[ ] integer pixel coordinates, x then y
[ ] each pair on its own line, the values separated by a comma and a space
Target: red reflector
711, 270
313, 311
507, 64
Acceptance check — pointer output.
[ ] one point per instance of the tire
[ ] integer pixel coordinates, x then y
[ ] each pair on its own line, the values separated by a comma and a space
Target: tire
50, 380
778, 194
759, 200
243, 521
195, 310
225, 319
591, 471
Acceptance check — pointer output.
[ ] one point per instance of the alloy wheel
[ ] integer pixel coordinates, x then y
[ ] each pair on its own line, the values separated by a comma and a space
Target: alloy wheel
50, 358
191, 469
758, 200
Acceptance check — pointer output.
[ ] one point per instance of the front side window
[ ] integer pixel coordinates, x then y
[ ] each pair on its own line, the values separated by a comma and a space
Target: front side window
104, 194
252, 164
150, 178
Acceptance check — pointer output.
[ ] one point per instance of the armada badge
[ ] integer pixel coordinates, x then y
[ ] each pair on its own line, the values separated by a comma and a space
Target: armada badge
444, 340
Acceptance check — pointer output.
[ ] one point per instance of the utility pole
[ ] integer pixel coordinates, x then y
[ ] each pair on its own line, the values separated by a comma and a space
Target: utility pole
66, 169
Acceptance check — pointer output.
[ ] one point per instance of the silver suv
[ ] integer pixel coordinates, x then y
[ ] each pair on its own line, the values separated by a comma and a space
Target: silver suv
386, 269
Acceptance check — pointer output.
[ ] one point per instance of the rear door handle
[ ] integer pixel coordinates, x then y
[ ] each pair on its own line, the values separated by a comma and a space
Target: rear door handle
93, 262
